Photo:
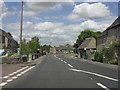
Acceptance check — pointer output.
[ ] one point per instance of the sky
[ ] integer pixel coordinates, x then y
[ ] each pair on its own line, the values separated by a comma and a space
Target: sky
57, 23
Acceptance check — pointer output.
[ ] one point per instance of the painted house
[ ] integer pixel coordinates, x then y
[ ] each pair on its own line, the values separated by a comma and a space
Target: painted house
7, 42
87, 48
111, 34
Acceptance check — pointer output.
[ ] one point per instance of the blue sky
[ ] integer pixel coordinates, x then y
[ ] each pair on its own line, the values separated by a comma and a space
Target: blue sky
59, 23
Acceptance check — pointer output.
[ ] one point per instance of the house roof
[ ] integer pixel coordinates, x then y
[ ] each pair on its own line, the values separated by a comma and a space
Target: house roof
88, 43
2, 32
114, 24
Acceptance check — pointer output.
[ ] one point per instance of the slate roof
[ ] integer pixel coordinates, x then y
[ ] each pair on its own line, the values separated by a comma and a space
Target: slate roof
114, 24
89, 43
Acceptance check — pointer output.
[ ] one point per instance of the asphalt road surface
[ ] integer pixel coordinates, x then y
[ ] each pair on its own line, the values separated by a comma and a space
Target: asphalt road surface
58, 71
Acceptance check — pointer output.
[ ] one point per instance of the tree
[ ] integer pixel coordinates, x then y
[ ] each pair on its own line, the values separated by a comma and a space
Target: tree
25, 49
83, 35
46, 48
33, 45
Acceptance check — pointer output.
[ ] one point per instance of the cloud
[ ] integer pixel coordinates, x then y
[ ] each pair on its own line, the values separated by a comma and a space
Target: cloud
34, 8
56, 32
89, 11
3, 11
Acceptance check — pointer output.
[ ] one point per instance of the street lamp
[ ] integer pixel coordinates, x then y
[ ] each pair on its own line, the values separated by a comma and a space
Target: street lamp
21, 25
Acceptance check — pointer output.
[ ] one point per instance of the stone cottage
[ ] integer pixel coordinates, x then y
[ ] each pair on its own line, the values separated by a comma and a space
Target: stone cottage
87, 48
61, 50
111, 34
7, 42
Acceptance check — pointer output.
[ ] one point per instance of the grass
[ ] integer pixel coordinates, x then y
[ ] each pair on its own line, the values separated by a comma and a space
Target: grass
70, 55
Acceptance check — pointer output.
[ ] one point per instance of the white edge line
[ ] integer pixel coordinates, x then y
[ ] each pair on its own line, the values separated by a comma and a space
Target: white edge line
101, 85
95, 74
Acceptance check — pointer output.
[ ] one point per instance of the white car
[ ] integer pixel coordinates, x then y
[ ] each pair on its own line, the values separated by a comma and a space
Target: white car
2, 52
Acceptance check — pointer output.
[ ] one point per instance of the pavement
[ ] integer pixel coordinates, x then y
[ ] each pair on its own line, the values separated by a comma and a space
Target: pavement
58, 71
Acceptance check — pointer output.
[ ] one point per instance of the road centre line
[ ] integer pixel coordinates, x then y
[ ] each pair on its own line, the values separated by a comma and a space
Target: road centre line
70, 65
96, 74
101, 85
65, 62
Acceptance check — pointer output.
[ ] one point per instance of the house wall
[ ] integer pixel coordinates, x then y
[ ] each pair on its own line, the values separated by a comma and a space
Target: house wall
53, 50
7, 42
112, 35
89, 54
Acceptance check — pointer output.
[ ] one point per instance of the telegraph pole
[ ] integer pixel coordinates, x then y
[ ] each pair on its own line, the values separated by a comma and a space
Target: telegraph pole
21, 25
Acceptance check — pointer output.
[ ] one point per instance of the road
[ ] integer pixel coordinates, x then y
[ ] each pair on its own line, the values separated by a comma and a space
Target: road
58, 71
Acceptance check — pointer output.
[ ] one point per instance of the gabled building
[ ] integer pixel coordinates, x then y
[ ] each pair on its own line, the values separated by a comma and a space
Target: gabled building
87, 48
111, 34
7, 42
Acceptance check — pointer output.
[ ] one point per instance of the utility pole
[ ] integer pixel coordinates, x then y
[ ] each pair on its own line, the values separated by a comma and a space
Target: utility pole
21, 25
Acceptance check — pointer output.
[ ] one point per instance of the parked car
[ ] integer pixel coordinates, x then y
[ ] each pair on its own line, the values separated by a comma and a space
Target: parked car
2, 52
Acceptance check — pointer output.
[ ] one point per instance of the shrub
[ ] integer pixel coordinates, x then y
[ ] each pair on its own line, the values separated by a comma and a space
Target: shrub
14, 56
98, 56
10, 54
113, 61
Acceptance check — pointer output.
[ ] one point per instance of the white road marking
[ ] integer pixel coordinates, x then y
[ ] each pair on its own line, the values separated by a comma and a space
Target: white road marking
15, 77
9, 80
5, 77
70, 65
101, 85
61, 60
18, 75
2, 84
65, 62
96, 74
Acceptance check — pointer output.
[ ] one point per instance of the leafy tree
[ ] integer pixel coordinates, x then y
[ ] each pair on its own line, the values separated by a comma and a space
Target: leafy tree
33, 45
25, 49
46, 48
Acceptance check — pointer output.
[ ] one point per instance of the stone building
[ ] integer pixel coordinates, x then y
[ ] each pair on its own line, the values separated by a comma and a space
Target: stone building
111, 34
7, 42
61, 50
87, 48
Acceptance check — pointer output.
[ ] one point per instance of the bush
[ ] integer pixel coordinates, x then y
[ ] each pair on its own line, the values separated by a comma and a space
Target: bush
14, 56
10, 54
98, 56
113, 61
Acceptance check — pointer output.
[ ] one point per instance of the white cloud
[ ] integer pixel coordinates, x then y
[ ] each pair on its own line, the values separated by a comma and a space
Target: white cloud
34, 8
3, 10
89, 11
55, 32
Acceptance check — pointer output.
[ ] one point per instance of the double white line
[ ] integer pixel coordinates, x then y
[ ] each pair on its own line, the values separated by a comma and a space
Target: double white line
15, 77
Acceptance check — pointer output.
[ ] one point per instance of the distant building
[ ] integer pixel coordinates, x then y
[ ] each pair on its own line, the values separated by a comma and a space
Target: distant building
53, 50
87, 48
111, 34
7, 42
61, 50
